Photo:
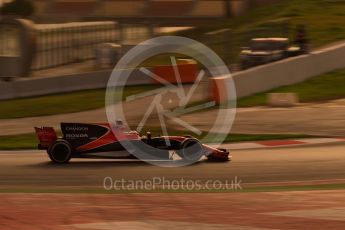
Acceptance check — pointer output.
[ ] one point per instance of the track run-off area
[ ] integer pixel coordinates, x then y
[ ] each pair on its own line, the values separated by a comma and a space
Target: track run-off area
60, 195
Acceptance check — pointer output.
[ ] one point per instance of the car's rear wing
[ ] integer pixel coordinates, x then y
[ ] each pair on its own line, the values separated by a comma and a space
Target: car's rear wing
46, 136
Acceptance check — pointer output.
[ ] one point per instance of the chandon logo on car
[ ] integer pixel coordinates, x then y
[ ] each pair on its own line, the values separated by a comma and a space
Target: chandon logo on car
76, 128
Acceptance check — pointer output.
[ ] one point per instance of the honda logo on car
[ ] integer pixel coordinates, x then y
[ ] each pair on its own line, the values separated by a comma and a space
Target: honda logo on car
76, 135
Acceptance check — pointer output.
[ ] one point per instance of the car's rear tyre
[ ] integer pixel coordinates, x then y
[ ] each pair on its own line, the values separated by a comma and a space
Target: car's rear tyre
60, 152
191, 150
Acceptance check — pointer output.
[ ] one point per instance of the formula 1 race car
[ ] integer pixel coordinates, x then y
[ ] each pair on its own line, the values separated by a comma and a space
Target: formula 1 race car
115, 141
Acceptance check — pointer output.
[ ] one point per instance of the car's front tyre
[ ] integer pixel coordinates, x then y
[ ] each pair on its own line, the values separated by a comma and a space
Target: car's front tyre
191, 150
60, 152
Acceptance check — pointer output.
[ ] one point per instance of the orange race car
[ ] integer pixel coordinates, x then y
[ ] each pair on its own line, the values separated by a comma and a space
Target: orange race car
115, 141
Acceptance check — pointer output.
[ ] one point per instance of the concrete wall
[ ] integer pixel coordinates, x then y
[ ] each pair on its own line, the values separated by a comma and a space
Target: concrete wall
67, 83
288, 71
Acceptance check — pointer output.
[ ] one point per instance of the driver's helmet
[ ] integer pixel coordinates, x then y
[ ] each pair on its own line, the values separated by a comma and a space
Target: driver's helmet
119, 126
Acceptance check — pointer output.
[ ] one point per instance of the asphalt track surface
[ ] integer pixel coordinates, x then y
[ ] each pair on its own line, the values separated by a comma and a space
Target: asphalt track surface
33, 169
